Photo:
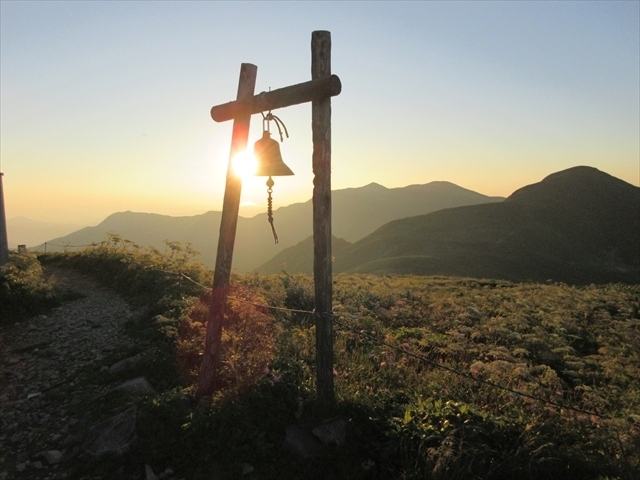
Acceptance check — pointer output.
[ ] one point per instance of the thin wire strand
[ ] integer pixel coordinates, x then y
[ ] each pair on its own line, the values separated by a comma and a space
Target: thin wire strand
431, 362
466, 375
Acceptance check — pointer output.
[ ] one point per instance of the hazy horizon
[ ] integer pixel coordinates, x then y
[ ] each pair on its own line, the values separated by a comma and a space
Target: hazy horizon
246, 211
105, 105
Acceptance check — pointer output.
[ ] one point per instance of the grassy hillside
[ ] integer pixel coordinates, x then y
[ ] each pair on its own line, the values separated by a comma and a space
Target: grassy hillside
437, 377
299, 258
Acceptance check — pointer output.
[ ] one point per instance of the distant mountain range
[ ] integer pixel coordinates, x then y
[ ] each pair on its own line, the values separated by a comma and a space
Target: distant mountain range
356, 213
577, 226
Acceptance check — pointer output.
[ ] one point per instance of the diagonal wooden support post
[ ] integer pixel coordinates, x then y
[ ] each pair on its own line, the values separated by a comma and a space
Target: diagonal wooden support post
209, 370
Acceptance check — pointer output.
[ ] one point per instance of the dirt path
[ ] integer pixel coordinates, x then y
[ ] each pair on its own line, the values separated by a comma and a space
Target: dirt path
45, 361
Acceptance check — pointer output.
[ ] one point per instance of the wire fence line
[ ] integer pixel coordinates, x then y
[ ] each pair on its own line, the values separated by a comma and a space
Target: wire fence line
362, 333
468, 376
44, 246
72, 246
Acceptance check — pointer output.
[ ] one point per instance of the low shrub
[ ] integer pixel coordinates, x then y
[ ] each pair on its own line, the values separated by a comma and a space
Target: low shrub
24, 289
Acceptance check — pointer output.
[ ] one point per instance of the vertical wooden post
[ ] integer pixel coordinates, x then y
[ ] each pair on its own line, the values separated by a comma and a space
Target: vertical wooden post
4, 242
322, 271
209, 370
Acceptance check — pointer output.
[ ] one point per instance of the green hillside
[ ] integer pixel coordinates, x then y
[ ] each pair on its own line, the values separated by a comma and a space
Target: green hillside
299, 258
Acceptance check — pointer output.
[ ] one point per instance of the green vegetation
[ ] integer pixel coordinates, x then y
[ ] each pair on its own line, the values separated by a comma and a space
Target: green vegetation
24, 290
573, 353
147, 277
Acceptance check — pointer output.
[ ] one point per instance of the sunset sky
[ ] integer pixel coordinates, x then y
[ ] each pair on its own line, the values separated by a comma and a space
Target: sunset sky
105, 105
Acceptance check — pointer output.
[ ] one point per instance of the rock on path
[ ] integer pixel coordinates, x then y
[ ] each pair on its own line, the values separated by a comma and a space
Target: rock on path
42, 362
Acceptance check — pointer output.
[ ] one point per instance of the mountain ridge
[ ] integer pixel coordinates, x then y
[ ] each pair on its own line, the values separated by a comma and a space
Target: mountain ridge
577, 226
356, 212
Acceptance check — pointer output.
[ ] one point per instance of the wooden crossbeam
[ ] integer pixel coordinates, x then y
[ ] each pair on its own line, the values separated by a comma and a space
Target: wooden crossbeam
283, 97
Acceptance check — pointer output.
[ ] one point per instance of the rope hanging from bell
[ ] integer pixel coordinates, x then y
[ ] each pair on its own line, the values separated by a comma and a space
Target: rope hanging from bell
279, 123
270, 163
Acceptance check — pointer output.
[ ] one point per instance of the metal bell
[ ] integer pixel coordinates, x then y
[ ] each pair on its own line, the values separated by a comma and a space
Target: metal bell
267, 153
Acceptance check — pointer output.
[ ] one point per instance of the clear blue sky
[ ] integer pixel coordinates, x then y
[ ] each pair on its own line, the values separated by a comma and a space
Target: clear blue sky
105, 105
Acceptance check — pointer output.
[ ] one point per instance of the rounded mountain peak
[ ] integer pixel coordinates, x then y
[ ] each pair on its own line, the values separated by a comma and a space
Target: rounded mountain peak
576, 185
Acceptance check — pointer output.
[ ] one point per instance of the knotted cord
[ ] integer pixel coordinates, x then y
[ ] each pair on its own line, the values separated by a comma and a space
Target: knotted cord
270, 184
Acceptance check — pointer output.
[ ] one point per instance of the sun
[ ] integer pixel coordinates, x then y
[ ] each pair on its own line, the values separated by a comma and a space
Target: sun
244, 164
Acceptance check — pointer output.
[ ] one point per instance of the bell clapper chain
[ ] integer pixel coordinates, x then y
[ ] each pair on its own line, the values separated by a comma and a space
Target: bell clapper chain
266, 118
270, 184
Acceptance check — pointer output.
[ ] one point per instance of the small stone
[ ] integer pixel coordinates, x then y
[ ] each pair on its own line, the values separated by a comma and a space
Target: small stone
247, 468
53, 456
136, 386
126, 365
168, 473
21, 466
149, 475
301, 442
37, 465
332, 431
113, 436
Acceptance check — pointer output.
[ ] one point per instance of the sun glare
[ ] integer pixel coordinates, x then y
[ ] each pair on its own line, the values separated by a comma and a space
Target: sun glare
244, 164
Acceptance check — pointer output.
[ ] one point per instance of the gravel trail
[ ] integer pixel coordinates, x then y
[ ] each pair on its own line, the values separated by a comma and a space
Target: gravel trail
44, 363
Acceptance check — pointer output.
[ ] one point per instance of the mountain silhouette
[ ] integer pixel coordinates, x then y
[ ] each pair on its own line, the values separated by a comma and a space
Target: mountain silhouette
579, 226
356, 212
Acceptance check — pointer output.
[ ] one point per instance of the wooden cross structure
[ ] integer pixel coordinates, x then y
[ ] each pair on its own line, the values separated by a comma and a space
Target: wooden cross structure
318, 91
